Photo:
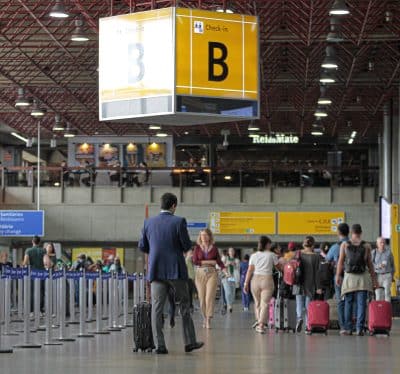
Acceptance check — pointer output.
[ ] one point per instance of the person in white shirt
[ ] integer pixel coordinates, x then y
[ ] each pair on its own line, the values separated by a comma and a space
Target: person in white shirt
261, 265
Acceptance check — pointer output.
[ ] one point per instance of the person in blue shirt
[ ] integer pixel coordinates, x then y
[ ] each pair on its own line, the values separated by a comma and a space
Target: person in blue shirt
165, 239
333, 256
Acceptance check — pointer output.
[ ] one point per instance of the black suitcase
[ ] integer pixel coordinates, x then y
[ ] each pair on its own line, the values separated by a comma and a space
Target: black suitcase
142, 331
285, 314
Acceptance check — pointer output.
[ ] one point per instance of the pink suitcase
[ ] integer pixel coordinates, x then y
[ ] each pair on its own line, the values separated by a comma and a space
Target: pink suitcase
318, 316
271, 316
379, 317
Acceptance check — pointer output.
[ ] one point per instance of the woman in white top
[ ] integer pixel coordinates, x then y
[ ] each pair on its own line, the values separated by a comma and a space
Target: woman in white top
261, 265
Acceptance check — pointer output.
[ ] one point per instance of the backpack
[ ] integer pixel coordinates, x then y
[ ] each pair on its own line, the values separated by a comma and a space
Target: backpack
355, 258
325, 273
292, 271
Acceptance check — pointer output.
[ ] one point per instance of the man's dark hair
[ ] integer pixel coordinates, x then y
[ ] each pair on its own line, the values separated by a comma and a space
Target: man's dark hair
246, 257
36, 240
356, 229
343, 229
168, 200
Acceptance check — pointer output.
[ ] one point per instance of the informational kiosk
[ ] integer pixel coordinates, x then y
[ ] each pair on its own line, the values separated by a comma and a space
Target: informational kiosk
179, 66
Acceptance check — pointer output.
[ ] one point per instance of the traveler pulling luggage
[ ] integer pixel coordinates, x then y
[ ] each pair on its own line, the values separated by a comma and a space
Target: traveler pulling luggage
142, 331
379, 317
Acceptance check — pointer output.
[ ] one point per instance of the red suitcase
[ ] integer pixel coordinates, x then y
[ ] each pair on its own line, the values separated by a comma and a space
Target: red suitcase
318, 316
379, 317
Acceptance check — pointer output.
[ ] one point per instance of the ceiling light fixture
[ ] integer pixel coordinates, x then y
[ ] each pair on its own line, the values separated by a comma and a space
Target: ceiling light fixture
353, 134
69, 132
79, 35
330, 61
334, 35
58, 125
350, 141
339, 8
317, 130
53, 142
37, 112
324, 99
320, 112
58, 10
253, 127
154, 127
161, 135
227, 177
326, 78
20, 137
22, 100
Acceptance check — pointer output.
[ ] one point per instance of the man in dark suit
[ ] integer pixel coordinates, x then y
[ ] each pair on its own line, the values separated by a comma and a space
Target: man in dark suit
165, 238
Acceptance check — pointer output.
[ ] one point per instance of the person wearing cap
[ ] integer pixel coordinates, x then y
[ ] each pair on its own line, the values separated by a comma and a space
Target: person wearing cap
291, 251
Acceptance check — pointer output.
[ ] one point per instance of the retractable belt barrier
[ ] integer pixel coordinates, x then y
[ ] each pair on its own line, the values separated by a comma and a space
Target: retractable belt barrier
53, 297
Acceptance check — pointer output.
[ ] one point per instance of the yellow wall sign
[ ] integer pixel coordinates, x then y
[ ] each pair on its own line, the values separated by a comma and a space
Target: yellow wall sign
98, 253
242, 223
309, 223
216, 54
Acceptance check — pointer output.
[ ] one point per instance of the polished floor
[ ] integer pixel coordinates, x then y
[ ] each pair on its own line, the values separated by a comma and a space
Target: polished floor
230, 347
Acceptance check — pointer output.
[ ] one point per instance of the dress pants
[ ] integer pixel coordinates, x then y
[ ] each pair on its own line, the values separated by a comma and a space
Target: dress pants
262, 288
159, 294
206, 284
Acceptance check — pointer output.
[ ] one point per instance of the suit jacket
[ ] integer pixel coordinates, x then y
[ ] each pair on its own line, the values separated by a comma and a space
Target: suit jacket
165, 238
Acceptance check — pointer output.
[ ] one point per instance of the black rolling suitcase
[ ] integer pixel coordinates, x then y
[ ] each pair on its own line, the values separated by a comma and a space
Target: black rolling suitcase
142, 331
285, 309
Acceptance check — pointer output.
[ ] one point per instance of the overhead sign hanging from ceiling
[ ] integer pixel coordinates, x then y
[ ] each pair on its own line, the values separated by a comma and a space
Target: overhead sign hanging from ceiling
275, 139
179, 66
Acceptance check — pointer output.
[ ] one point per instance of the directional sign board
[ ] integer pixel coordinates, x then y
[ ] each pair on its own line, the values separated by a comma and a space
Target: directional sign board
179, 66
21, 223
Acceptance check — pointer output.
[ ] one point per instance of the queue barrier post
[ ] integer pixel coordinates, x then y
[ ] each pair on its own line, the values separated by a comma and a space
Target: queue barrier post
36, 301
99, 306
82, 308
90, 300
126, 299
20, 299
135, 289
9, 275
104, 286
112, 326
49, 308
2, 281
63, 297
27, 307
71, 281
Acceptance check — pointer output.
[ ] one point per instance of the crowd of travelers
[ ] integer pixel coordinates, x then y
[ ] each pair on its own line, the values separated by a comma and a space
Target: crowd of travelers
344, 272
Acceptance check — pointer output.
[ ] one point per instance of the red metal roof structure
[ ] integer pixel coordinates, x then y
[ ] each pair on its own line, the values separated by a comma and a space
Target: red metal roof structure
37, 54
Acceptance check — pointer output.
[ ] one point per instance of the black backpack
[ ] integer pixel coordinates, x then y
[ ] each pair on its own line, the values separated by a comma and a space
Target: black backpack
355, 258
325, 273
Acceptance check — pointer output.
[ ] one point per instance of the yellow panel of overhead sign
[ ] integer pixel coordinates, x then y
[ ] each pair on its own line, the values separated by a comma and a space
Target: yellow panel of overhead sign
309, 223
245, 223
216, 54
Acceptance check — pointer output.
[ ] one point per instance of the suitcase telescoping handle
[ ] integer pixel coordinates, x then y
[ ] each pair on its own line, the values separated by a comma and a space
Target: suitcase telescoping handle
374, 293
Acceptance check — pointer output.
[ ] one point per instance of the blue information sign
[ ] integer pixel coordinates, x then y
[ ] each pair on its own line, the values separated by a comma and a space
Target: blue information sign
21, 222
196, 225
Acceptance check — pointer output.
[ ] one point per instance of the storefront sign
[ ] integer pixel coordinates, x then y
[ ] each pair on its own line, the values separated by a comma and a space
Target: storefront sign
275, 139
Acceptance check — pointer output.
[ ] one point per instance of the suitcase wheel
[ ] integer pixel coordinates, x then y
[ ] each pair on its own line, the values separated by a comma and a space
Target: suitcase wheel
135, 350
149, 350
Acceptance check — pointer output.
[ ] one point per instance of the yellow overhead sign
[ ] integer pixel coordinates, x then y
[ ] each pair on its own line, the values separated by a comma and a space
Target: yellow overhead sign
309, 223
245, 223
216, 54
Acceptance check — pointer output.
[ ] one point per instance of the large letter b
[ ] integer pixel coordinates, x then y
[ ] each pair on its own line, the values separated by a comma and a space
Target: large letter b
212, 61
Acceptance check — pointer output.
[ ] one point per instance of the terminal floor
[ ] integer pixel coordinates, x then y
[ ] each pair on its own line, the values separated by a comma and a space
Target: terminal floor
230, 347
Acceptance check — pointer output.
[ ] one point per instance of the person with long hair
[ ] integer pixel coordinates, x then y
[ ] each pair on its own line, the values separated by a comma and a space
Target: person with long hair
50, 261
229, 282
206, 257
309, 284
261, 265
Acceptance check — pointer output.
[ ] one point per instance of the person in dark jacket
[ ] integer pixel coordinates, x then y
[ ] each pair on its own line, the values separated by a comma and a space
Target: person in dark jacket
309, 284
164, 239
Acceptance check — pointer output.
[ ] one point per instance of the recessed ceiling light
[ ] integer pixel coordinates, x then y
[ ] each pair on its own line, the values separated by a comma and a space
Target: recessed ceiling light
154, 127
161, 135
